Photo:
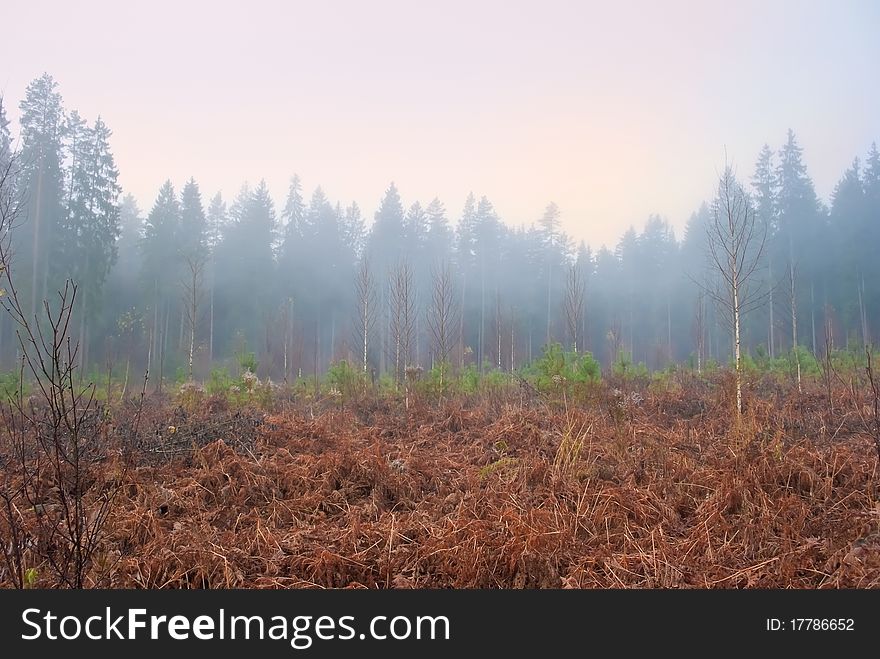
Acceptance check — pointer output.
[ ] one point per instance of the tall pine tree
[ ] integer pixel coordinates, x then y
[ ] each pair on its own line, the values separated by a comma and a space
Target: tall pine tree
42, 129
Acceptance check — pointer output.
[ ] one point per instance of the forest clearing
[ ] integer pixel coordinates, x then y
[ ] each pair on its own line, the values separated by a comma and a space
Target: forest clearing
558, 295
623, 484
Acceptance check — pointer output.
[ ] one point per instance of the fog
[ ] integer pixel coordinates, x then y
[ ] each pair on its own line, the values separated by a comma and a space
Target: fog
487, 184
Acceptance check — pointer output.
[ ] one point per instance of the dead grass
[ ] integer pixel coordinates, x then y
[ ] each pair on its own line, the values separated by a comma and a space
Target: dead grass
465, 495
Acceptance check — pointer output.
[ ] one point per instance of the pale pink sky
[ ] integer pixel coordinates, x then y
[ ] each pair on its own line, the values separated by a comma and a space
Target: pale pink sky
614, 112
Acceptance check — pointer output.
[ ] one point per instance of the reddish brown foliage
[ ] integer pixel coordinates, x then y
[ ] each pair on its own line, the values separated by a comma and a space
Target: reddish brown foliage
667, 495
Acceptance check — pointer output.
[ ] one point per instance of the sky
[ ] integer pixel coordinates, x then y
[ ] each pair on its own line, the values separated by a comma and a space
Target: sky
614, 110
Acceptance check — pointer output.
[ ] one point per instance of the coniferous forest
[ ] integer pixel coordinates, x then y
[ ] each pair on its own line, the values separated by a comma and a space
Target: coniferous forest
189, 282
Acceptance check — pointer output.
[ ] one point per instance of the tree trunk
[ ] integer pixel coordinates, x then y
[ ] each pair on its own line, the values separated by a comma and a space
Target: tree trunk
383, 338
211, 322
182, 327
331, 349
36, 248
461, 323
482, 313
530, 339
512, 344
164, 347
81, 341
315, 365
813, 314
192, 349
864, 312
736, 344
365, 321
794, 335
770, 302
549, 290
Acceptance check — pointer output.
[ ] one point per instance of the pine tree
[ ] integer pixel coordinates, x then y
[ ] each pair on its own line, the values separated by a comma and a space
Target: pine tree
487, 251
871, 217
123, 276
439, 241
869, 238
801, 230
549, 224
465, 234
586, 267
293, 253
798, 205
354, 232
215, 220
872, 179
76, 147
160, 271
764, 185
627, 253
848, 202
385, 249
160, 263
386, 245
853, 251
42, 127
192, 238
292, 230
97, 227
604, 303
244, 269
293, 214
415, 231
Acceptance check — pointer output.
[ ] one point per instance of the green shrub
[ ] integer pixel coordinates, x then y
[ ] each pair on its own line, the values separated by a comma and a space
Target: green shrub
220, 382
747, 364
809, 365
550, 366
345, 379
495, 380
387, 384
468, 381
263, 394
439, 380
10, 382
585, 368
625, 368
850, 359
247, 361
556, 369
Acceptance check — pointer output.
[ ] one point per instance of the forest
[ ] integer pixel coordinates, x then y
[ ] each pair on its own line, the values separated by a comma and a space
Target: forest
200, 392
189, 282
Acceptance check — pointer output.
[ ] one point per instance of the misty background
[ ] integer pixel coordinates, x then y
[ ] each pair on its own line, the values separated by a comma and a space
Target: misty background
542, 156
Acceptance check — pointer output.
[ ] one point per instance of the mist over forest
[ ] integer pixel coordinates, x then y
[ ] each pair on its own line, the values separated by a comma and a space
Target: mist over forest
488, 295
190, 281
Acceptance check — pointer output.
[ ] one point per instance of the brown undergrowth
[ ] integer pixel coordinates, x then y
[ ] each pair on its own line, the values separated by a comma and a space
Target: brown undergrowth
654, 490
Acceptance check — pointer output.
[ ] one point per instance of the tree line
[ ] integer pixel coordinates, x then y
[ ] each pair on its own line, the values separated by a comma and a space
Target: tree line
193, 282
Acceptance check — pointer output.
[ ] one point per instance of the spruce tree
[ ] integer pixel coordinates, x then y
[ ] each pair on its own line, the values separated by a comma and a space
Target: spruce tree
42, 129
96, 221
192, 239
439, 241
800, 232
